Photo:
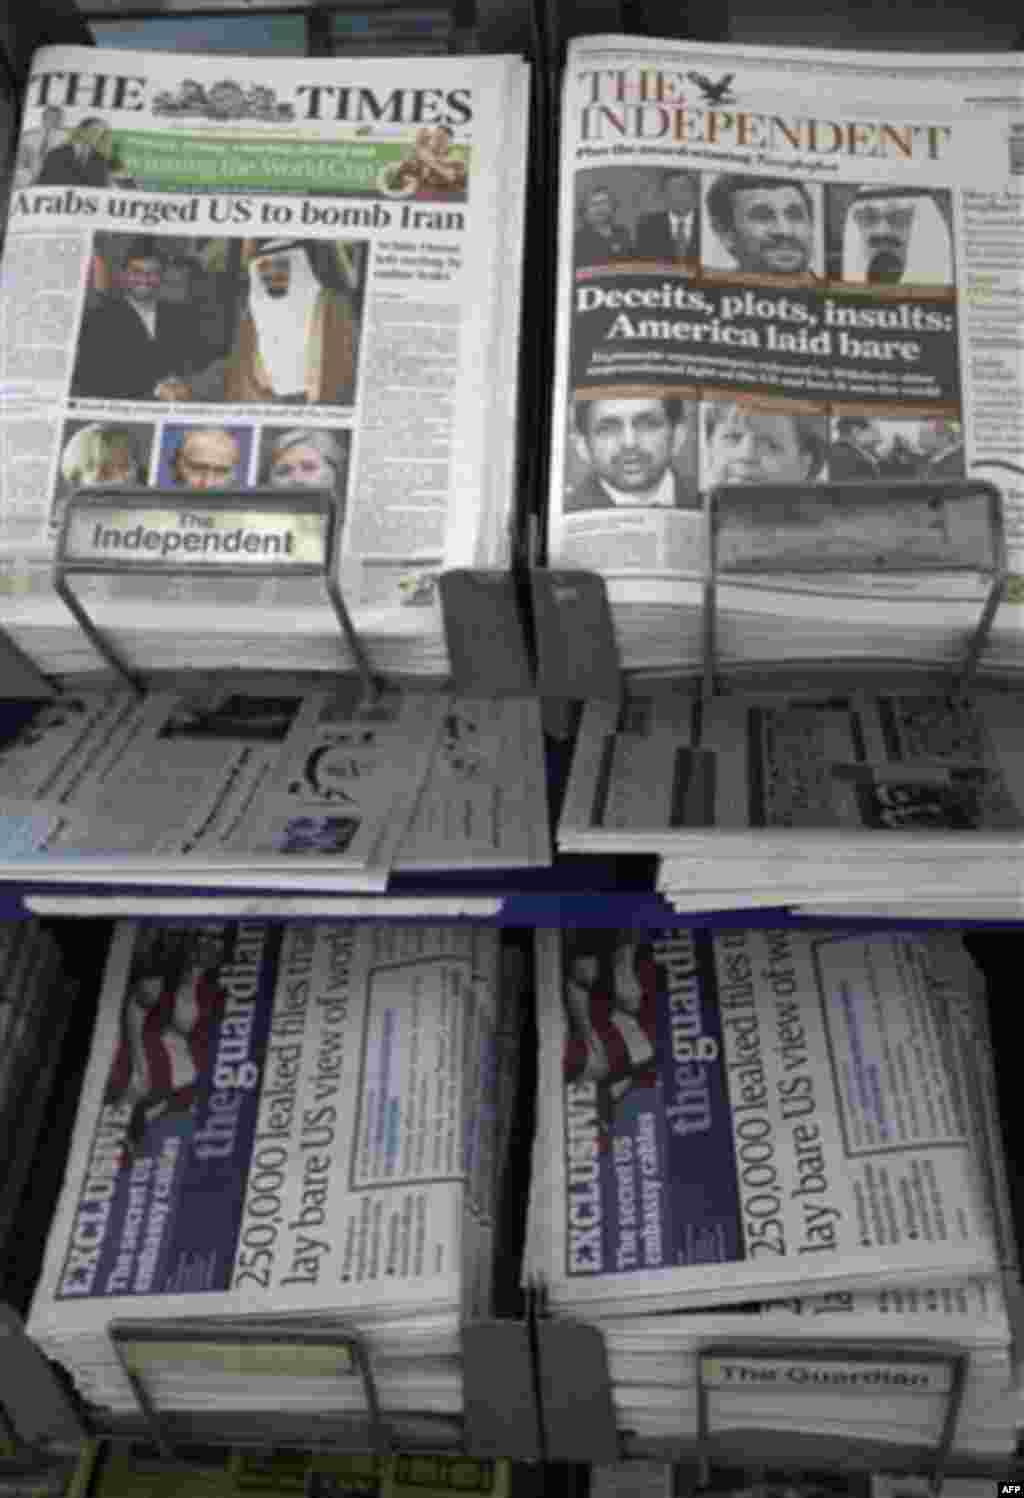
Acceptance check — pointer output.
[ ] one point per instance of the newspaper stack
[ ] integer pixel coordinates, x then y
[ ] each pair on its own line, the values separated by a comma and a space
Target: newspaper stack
282, 1129
300, 789
214, 283
766, 290
756, 1114
751, 1114
840, 1365
839, 799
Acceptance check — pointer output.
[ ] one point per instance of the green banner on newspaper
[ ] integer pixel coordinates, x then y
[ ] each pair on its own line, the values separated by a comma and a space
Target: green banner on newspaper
164, 161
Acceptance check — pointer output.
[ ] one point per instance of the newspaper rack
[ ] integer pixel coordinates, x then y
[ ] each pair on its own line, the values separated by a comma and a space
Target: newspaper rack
880, 552
537, 1390
500, 1418
718, 1361
251, 1350
577, 650
110, 531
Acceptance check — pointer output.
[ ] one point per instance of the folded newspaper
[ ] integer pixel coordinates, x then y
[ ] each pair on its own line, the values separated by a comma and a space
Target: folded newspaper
214, 282
785, 274
283, 1129
299, 789
751, 1114
786, 798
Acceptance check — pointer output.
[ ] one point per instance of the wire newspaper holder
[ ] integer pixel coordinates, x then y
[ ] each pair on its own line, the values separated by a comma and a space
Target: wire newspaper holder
536, 1390
900, 545
252, 1350
164, 532
500, 1417
735, 1366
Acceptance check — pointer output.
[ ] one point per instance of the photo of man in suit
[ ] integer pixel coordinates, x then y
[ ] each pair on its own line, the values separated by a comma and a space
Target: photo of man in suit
765, 225
855, 451
86, 159
207, 458
629, 445
130, 339
671, 233
35, 145
600, 237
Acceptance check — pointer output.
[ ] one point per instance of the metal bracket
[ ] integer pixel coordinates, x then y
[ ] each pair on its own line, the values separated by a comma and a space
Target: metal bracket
871, 551
84, 547
258, 1347
783, 1355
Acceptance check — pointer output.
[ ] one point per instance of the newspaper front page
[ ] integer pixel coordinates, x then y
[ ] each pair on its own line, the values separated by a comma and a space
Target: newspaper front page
782, 267
211, 281
290, 1120
747, 1114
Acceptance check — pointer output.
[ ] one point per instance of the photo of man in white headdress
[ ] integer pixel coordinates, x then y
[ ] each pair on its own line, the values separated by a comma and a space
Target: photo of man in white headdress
297, 337
897, 236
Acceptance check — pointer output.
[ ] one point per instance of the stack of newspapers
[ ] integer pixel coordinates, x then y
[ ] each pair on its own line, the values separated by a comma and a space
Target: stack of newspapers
753, 1115
312, 283
283, 1130
874, 1366
906, 799
765, 350
317, 788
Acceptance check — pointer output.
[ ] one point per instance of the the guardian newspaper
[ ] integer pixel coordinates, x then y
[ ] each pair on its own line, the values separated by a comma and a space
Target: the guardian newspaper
749, 1113
297, 1120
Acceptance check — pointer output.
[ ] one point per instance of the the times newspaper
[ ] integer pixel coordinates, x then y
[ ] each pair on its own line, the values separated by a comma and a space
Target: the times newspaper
780, 267
296, 1120
748, 1113
211, 280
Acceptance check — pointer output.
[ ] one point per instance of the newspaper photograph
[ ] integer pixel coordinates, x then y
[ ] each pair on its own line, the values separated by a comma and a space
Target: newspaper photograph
779, 268
747, 1114
212, 282
276, 1119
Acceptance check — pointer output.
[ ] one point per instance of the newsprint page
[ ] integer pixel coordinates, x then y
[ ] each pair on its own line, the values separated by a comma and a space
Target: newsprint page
212, 280
782, 267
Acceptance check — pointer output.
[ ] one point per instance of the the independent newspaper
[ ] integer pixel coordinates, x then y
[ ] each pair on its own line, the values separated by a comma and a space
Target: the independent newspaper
778, 267
212, 280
